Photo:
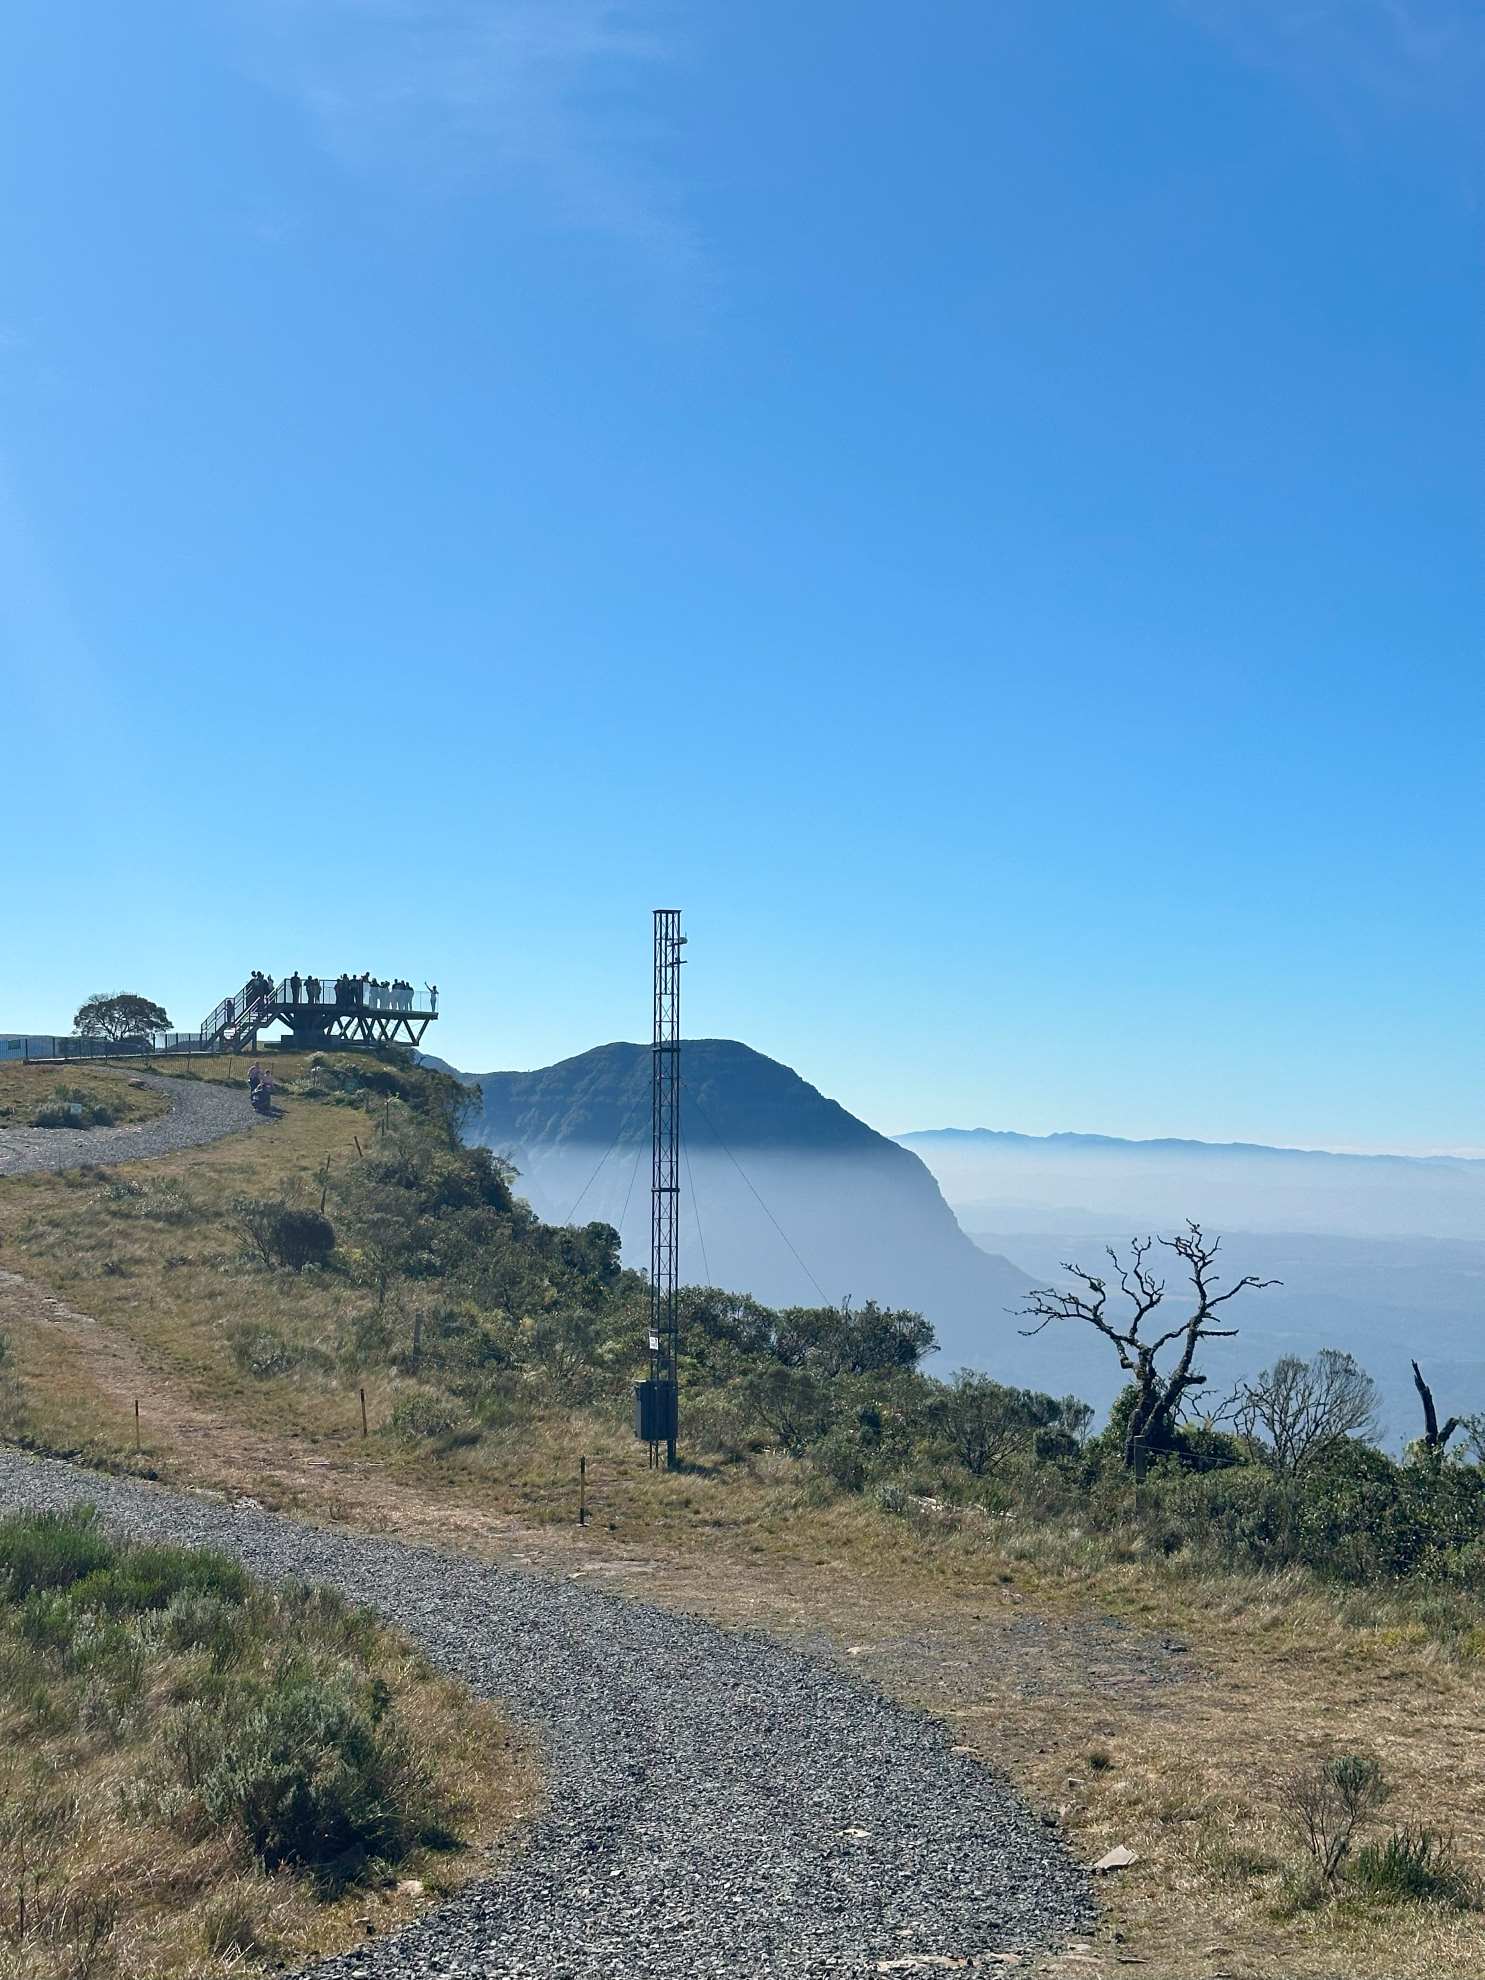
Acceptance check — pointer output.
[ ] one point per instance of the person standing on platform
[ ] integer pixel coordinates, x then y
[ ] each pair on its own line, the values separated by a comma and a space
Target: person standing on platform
296, 984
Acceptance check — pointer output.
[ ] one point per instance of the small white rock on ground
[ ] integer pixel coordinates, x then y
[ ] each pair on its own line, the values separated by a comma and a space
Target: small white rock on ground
719, 1805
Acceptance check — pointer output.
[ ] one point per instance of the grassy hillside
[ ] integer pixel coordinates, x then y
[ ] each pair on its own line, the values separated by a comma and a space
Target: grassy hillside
1114, 1656
102, 1092
207, 1775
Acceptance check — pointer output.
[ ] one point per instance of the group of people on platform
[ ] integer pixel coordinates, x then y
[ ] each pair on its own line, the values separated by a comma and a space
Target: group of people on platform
370, 993
364, 992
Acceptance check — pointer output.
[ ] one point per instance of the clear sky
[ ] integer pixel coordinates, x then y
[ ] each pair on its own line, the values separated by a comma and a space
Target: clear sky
978, 504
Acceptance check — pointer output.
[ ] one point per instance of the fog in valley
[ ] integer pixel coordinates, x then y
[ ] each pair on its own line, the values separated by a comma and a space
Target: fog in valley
1383, 1256
1084, 1182
787, 1196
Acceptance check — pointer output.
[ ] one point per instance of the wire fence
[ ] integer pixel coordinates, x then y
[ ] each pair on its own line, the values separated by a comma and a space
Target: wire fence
45, 1046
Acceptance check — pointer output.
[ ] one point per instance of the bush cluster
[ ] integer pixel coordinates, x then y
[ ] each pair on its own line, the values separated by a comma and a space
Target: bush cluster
283, 1233
74, 1107
1332, 1803
274, 1723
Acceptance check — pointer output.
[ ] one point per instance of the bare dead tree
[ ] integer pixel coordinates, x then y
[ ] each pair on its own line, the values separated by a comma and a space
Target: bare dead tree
1121, 1306
1298, 1410
1434, 1440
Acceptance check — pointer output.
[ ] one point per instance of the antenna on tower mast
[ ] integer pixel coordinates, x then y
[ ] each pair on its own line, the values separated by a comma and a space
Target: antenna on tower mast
655, 1401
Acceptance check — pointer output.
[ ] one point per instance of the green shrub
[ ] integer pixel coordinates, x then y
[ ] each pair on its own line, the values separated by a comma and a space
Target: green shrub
1328, 1803
146, 1578
324, 1617
318, 1776
841, 1459
233, 1929
282, 1234
109, 1708
1416, 1865
57, 1112
51, 1550
303, 1237
428, 1413
166, 1202
263, 1352
48, 1620
209, 1622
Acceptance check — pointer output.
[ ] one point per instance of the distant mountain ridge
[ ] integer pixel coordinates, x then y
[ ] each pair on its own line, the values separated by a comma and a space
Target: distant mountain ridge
1065, 1138
786, 1195
1381, 1255
1000, 1180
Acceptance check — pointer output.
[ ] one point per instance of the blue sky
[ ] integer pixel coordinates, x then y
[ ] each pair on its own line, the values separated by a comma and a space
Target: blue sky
978, 505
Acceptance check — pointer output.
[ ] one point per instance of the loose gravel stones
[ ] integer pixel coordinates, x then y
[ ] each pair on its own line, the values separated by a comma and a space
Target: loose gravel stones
719, 1805
201, 1111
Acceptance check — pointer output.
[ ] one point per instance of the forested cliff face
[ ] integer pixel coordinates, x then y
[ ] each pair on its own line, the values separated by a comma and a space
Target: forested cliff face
785, 1194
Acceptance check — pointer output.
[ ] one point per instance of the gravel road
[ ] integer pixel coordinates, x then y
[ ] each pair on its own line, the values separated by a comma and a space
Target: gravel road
718, 1804
200, 1111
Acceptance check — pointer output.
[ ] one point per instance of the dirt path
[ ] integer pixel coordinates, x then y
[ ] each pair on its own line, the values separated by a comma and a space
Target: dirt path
186, 1443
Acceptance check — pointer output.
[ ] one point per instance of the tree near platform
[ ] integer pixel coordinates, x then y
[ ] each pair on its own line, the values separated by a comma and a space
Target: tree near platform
115, 1018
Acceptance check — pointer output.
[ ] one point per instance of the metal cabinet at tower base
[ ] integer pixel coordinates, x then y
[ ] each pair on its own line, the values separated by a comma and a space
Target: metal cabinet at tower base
654, 1411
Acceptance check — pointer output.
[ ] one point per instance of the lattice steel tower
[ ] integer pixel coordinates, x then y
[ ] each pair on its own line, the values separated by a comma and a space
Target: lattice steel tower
665, 1179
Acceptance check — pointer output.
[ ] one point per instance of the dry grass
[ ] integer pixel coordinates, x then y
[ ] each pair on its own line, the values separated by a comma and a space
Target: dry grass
111, 1859
993, 1624
24, 1088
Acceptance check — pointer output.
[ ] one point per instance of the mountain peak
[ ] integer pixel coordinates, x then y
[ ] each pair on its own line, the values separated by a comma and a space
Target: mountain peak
730, 1094
785, 1194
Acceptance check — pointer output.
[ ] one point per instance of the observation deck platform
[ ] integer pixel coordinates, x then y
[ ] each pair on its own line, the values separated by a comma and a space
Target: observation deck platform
353, 1010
